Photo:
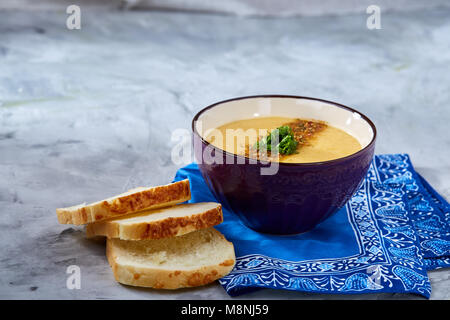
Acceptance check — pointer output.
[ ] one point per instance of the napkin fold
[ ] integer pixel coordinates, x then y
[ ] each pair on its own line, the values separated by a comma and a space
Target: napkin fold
394, 229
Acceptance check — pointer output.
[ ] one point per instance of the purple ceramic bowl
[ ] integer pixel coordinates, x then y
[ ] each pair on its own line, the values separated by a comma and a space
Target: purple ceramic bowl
299, 195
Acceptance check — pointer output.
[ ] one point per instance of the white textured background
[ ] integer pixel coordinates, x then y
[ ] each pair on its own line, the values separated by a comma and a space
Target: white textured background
88, 113
237, 7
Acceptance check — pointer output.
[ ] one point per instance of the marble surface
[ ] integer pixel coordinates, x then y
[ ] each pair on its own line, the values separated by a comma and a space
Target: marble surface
280, 8
85, 114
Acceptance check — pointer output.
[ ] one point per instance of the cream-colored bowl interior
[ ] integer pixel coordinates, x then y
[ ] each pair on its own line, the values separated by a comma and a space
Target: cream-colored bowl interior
350, 121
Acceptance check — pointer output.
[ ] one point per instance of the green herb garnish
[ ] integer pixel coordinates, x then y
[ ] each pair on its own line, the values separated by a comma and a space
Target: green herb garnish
286, 145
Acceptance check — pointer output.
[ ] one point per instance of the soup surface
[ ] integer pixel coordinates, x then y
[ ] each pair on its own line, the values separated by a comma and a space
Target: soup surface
315, 141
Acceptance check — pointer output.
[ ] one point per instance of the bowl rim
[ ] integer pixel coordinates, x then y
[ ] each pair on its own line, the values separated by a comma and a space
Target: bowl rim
289, 164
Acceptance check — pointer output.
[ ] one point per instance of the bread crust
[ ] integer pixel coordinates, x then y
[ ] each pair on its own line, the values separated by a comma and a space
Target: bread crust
168, 279
151, 198
164, 228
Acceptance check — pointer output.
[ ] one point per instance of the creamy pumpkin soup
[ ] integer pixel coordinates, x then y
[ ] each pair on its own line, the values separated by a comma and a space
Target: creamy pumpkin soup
284, 139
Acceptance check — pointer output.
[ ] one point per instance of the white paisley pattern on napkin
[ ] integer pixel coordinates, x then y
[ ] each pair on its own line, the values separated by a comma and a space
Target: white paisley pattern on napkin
397, 223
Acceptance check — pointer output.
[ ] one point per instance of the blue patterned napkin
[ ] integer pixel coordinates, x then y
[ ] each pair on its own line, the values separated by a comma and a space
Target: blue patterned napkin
394, 229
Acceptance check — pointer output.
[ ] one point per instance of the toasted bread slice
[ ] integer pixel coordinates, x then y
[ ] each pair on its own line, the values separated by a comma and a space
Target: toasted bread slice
159, 223
194, 259
126, 203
